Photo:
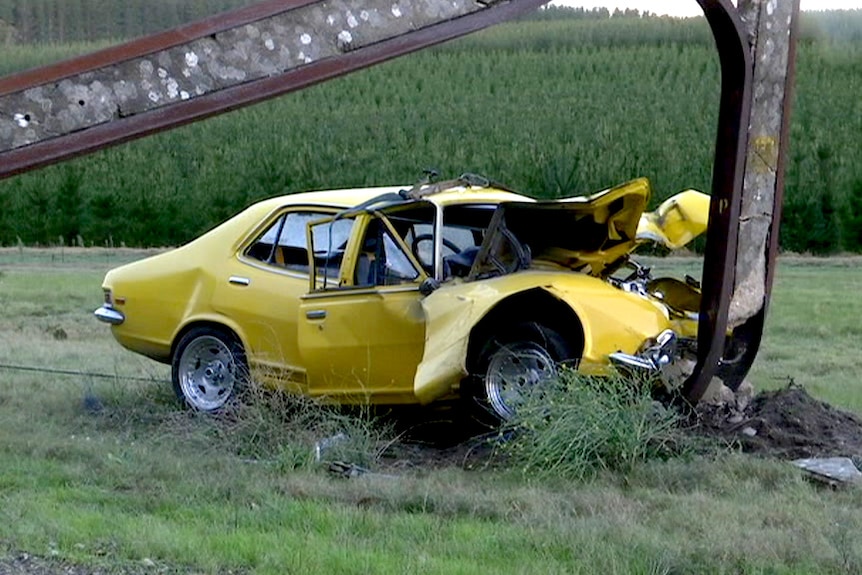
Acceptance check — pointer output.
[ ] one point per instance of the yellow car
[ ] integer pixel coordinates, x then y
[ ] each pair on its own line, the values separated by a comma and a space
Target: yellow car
411, 295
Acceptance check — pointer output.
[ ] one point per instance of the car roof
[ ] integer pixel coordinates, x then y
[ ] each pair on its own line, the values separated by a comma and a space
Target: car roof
348, 198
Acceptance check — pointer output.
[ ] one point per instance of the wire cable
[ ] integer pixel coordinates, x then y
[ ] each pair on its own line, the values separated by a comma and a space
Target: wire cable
72, 372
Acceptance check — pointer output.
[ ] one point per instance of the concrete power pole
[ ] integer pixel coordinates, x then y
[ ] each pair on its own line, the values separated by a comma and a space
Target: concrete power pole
771, 26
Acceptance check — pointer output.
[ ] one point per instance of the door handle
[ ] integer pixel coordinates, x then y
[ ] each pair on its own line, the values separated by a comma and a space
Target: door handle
316, 314
239, 281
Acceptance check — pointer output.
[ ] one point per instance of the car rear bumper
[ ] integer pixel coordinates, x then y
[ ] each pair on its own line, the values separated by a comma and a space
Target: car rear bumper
109, 315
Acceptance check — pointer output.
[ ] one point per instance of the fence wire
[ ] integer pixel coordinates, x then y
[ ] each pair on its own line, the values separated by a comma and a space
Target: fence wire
74, 372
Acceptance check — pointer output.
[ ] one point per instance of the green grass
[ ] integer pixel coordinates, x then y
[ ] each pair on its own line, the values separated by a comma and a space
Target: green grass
813, 330
142, 480
587, 425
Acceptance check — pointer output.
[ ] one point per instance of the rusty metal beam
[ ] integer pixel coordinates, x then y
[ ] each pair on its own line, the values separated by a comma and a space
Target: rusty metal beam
215, 66
727, 179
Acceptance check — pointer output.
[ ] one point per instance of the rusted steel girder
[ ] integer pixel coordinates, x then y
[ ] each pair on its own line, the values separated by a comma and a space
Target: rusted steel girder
757, 47
217, 65
727, 179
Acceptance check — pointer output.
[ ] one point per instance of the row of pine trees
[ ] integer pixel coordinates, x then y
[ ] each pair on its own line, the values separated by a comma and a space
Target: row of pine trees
62, 21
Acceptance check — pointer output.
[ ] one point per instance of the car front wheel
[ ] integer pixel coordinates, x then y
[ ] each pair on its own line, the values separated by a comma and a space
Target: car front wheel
208, 368
517, 362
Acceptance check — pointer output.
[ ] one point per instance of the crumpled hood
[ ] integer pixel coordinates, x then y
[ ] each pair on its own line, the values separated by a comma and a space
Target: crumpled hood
585, 232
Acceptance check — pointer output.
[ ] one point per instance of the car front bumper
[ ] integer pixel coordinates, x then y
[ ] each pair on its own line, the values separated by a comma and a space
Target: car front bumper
653, 358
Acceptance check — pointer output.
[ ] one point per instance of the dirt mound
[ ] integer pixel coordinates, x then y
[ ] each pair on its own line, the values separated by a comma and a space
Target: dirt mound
787, 423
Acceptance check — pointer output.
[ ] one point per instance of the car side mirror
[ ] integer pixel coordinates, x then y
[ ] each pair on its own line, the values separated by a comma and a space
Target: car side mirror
428, 286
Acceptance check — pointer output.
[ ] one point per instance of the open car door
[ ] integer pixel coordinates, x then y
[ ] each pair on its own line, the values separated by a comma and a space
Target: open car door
361, 325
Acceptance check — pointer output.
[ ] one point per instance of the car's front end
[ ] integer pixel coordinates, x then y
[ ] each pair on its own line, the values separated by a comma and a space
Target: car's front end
577, 251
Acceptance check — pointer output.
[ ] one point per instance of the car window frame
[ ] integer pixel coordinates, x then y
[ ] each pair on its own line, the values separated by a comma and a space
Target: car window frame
335, 281
345, 282
281, 213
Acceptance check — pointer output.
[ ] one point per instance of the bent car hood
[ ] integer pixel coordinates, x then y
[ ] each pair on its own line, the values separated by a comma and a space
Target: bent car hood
587, 233
581, 233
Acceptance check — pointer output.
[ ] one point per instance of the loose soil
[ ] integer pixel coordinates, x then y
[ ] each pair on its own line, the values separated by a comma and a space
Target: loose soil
26, 564
786, 424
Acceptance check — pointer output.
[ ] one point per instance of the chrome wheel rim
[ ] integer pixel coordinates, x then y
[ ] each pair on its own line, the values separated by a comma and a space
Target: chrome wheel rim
207, 373
514, 371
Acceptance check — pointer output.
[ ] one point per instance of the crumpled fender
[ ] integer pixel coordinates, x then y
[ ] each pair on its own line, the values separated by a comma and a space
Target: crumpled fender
677, 221
612, 321
450, 314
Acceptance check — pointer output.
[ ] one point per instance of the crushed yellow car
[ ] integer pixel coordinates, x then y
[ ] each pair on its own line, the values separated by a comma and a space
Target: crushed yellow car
411, 295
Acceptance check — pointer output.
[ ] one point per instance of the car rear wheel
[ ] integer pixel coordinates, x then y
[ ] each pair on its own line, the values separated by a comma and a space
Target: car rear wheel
517, 362
209, 368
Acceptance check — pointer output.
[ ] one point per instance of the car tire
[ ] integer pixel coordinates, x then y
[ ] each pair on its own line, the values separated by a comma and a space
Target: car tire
512, 362
208, 369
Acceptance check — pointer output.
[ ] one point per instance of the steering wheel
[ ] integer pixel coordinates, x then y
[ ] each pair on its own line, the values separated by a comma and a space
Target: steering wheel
429, 238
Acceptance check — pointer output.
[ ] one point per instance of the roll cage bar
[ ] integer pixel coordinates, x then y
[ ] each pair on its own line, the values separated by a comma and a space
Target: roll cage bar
155, 83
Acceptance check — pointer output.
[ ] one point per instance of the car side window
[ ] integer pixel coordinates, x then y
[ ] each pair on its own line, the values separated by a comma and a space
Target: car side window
285, 243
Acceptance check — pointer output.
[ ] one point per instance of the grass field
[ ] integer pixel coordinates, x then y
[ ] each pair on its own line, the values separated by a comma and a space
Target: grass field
109, 473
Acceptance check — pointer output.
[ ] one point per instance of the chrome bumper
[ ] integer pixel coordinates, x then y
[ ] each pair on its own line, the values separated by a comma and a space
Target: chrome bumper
652, 359
109, 315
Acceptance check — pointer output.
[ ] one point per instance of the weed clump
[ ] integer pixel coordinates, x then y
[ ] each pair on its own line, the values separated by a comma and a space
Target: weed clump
292, 431
584, 425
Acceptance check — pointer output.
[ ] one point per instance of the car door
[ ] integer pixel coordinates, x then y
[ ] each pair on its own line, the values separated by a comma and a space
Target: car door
362, 333
262, 288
